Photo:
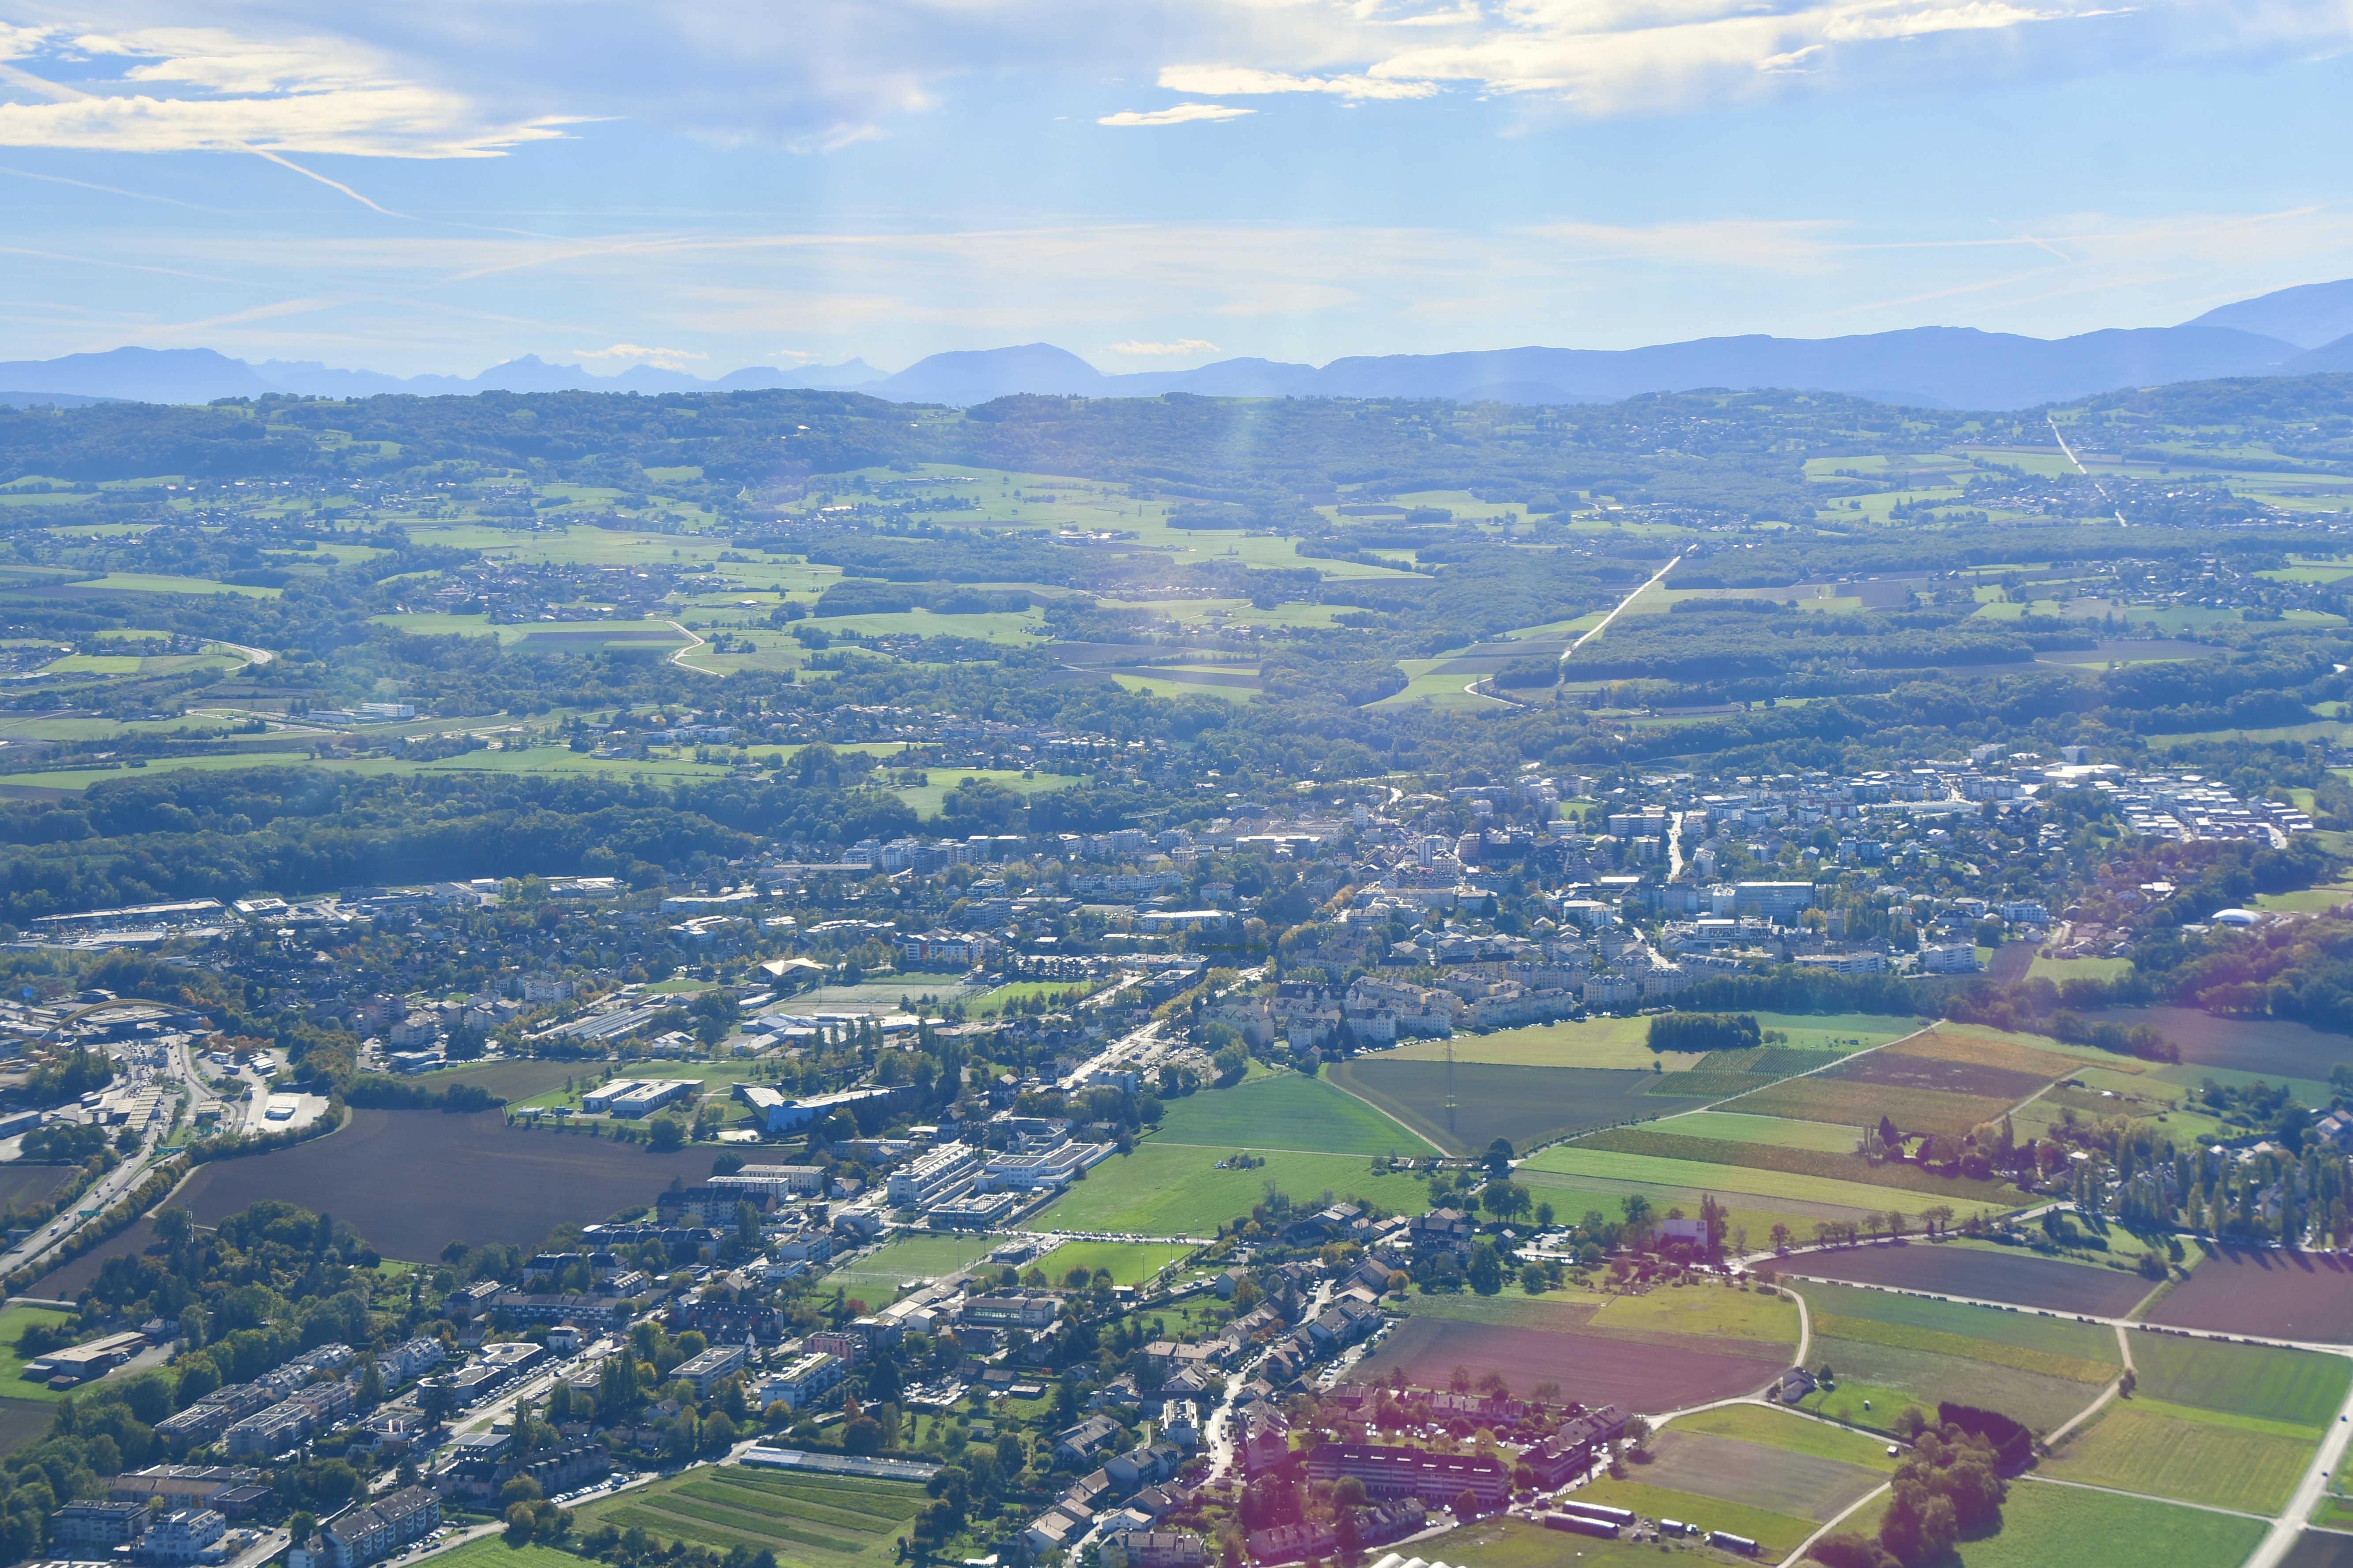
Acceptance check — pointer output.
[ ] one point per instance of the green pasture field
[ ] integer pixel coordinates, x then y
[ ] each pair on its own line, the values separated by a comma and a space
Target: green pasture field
926, 798
1171, 686
1592, 1043
1130, 1262
2062, 1338
1775, 1428
1571, 1201
1777, 1534
2303, 902
807, 1519
153, 582
1892, 1376
1176, 1189
2043, 1525
14, 1384
570, 544
1945, 1342
1425, 683
1733, 1127
2145, 1450
1571, 1160
2061, 970
1285, 1111
1009, 629
2298, 1387
908, 1255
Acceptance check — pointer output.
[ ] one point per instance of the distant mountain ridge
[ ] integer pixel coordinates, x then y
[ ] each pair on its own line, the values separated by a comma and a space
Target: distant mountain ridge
2306, 330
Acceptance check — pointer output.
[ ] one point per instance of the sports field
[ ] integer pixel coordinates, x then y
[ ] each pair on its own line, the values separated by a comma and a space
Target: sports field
1176, 1189
821, 1519
1130, 1262
1285, 1110
907, 1259
2043, 1525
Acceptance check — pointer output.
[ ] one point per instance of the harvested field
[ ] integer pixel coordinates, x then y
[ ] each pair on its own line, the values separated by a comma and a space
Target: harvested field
1979, 1079
2290, 1296
69, 1279
1749, 1154
1822, 1097
2043, 1525
2299, 1388
2018, 1278
2270, 1045
1962, 1044
2135, 1450
24, 1185
1591, 1369
1526, 1105
1801, 1486
413, 1181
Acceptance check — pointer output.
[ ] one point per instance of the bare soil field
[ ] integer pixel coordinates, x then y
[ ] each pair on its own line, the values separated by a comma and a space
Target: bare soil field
2255, 1290
23, 1184
24, 1421
2320, 1549
1902, 1069
2020, 1279
413, 1181
2250, 1045
1588, 1368
1526, 1105
64, 1284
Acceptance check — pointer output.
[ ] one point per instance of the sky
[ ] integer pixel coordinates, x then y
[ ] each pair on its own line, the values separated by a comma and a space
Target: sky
1148, 184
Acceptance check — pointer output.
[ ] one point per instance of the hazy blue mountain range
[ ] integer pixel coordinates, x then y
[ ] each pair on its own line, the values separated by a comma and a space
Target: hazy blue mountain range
2301, 331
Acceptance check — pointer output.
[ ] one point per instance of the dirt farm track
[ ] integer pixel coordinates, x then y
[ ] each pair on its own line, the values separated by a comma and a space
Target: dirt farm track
413, 1181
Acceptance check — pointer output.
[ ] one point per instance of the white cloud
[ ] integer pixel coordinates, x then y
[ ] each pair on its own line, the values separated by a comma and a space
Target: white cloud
667, 359
1182, 114
1181, 346
1225, 81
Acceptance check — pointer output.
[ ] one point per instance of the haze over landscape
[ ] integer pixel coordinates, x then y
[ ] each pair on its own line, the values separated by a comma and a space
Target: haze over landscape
1274, 784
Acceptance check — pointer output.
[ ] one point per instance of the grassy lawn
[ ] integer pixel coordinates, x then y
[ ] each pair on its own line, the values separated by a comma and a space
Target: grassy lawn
149, 583
14, 1384
2145, 1448
2061, 970
1059, 993
496, 1553
2041, 1525
1130, 1262
1176, 1189
804, 1519
1287, 1111
926, 798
